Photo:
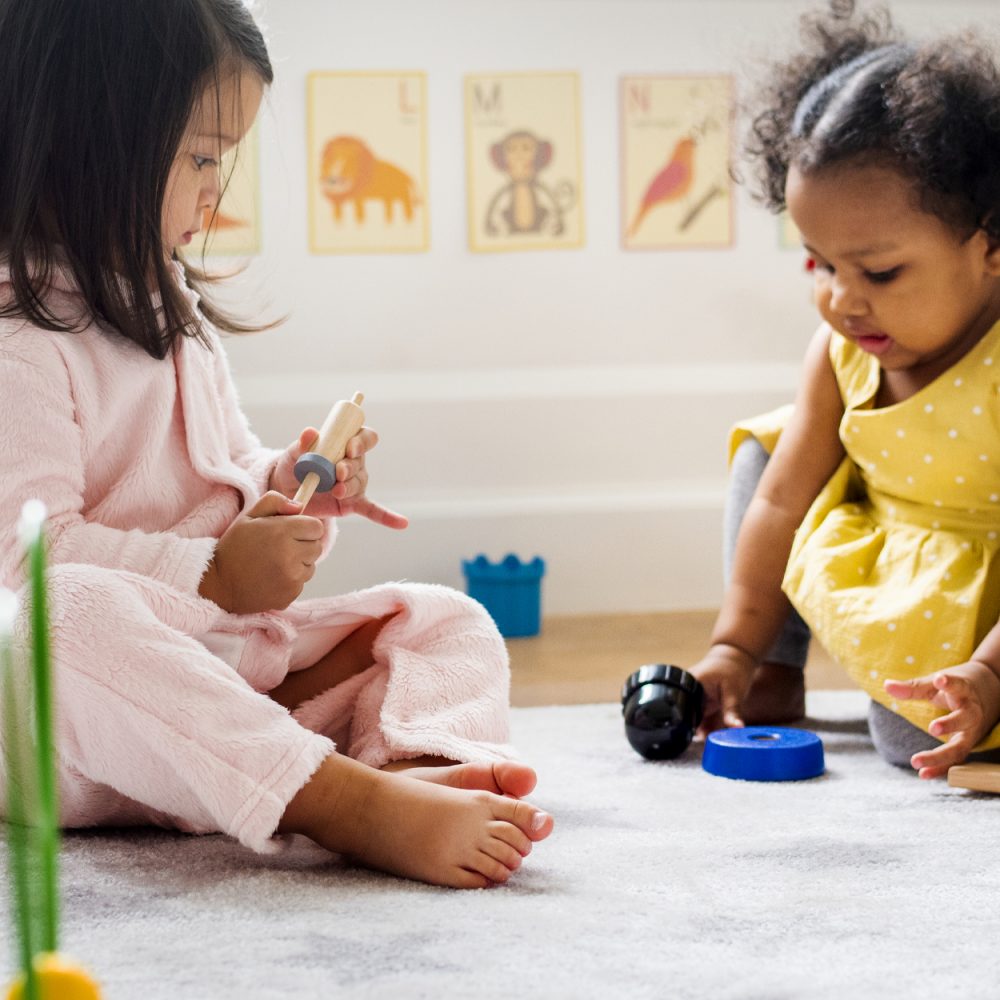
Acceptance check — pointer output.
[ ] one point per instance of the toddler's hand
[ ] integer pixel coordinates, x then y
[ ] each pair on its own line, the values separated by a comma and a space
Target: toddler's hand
265, 557
348, 493
724, 673
971, 693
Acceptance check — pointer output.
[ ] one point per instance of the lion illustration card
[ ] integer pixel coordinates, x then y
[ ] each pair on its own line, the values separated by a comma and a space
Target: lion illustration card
675, 135
367, 154
233, 229
525, 176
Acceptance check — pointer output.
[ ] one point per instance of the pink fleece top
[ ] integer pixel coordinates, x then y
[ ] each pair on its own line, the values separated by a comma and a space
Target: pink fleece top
141, 463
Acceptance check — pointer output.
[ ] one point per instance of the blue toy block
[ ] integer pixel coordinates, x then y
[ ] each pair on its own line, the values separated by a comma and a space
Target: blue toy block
510, 590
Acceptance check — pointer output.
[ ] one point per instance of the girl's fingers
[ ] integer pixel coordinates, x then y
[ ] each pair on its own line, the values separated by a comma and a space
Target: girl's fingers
922, 688
955, 688
953, 722
308, 438
363, 441
934, 763
304, 527
731, 710
350, 471
380, 515
710, 723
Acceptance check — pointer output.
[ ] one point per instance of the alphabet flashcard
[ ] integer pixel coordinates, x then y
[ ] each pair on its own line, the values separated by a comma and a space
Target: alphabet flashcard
676, 189
367, 156
525, 177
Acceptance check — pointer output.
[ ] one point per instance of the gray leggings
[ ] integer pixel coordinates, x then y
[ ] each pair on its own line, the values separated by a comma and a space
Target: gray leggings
895, 739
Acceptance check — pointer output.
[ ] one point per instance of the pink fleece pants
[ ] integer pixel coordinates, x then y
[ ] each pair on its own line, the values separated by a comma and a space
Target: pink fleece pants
162, 716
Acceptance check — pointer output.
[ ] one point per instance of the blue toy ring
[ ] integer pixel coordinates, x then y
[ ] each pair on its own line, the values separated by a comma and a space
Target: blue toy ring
764, 753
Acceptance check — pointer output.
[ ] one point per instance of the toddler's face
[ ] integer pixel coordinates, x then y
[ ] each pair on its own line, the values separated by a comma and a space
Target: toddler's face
895, 279
220, 120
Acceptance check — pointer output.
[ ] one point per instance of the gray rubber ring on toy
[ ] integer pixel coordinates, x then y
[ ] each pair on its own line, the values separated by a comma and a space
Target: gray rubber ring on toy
322, 467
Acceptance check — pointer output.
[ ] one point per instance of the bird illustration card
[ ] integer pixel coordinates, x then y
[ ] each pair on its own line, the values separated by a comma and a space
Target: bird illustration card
233, 229
523, 150
367, 156
676, 135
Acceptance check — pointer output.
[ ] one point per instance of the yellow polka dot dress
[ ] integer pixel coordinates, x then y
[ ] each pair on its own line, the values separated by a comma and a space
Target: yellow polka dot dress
895, 565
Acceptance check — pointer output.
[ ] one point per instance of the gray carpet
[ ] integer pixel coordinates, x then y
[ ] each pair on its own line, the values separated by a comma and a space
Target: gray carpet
660, 881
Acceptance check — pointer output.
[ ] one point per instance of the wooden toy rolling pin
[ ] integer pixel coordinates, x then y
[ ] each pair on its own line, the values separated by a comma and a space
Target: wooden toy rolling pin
316, 469
976, 777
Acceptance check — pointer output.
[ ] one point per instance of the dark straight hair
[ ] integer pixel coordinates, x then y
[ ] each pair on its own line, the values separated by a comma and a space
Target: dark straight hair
95, 98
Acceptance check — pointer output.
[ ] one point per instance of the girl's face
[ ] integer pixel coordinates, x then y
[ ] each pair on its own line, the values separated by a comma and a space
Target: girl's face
220, 120
896, 280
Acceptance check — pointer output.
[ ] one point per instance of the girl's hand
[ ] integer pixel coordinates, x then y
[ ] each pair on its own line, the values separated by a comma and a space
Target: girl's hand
971, 693
348, 493
725, 674
264, 559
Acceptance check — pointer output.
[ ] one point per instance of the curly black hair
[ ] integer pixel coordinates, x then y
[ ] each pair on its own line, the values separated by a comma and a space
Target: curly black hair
859, 92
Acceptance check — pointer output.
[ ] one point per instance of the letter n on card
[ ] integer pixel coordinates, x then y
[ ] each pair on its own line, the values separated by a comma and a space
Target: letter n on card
367, 156
676, 190
523, 147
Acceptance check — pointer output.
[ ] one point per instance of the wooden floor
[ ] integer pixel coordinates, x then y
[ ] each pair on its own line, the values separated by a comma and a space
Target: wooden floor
585, 659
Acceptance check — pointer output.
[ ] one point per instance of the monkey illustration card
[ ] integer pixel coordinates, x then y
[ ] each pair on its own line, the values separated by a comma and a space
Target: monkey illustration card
367, 155
233, 230
675, 134
525, 175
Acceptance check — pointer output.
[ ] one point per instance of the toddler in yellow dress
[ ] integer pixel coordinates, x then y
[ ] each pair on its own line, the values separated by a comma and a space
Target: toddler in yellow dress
875, 523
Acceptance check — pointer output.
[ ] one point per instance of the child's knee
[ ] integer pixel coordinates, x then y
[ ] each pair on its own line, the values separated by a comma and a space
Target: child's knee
440, 610
441, 620
895, 739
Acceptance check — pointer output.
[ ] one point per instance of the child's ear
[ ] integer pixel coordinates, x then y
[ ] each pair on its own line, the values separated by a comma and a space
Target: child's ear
992, 257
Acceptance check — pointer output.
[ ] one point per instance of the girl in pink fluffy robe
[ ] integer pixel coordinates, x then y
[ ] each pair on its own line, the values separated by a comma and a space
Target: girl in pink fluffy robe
192, 689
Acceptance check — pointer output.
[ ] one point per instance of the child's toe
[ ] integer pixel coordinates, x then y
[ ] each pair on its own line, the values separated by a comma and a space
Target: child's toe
505, 854
532, 821
514, 779
495, 871
512, 835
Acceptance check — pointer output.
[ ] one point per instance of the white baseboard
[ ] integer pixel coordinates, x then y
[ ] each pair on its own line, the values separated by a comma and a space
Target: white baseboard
615, 476
631, 555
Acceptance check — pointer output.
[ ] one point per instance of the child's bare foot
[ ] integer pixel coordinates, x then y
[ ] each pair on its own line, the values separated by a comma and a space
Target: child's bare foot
777, 693
971, 693
424, 830
505, 777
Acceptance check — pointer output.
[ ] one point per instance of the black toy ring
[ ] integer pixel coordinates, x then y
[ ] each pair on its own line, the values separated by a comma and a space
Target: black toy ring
663, 707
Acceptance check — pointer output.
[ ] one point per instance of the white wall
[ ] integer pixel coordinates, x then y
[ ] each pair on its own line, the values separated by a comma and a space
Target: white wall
569, 404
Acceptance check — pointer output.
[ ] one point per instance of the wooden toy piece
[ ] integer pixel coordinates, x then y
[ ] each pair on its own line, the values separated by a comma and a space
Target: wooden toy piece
663, 706
57, 978
977, 777
316, 469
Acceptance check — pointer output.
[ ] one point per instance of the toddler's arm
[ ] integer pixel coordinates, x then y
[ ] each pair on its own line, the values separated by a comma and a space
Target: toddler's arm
754, 606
